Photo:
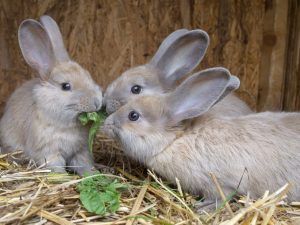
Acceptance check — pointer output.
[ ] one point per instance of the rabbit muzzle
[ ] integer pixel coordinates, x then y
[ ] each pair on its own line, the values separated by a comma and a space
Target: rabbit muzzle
112, 105
89, 104
109, 127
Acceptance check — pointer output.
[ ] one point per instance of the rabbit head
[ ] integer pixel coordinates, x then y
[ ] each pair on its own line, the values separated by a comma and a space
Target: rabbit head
146, 125
178, 55
65, 89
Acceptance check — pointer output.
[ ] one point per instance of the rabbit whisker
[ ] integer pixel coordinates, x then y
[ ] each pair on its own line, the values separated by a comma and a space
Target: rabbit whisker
70, 107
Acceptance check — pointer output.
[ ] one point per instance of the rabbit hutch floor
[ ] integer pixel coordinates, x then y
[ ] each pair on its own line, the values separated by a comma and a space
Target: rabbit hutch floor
32, 195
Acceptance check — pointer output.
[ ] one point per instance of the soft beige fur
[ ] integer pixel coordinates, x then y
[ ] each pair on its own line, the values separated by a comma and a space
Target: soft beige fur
265, 144
42, 119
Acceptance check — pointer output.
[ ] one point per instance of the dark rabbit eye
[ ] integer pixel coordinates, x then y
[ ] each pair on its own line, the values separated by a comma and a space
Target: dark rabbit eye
136, 89
66, 86
133, 116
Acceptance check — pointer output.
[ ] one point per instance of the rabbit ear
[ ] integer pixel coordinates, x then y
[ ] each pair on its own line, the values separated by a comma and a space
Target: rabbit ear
179, 54
56, 39
233, 84
167, 43
199, 93
36, 47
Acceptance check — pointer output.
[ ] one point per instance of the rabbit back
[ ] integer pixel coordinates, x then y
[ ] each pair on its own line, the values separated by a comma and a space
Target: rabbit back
230, 106
16, 118
264, 146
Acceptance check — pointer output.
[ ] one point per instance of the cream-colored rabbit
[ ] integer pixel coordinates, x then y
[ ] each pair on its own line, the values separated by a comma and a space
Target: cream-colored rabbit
178, 55
40, 117
175, 135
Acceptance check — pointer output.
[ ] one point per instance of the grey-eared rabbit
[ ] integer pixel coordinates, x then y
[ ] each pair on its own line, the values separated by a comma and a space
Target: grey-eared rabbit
40, 117
176, 57
175, 135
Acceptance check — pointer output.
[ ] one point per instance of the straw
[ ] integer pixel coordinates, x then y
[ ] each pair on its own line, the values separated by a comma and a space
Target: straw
32, 195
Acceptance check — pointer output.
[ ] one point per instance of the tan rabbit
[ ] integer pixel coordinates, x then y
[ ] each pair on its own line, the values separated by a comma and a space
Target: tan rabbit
178, 55
175, 135
41, 116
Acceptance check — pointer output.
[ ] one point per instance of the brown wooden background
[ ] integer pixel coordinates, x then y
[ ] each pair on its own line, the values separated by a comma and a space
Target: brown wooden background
258, 40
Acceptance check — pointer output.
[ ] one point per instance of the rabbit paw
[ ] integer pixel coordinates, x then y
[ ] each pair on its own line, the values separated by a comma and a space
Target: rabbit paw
55, 162
57, 169
82, 164
85, 171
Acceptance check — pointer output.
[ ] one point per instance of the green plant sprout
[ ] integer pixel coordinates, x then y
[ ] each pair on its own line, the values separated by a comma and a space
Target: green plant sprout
97, 120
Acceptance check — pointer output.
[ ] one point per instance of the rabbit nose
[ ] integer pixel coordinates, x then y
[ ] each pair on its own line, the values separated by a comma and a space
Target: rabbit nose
97, 103
112, 106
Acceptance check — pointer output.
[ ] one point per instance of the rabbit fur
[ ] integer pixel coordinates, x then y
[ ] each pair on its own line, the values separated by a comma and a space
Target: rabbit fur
177, 137
178, 55
40, 117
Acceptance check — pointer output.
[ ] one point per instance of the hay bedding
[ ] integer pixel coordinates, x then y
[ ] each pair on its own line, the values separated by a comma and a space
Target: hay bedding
31, 195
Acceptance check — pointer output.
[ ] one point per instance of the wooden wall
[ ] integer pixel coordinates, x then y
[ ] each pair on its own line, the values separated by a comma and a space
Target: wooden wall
258, 40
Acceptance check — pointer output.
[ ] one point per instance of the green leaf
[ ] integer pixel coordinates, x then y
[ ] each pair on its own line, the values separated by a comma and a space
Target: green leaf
83, 118
97, 119
105, 197
92, 201
114, 205
100, 194
93, 116
121, 186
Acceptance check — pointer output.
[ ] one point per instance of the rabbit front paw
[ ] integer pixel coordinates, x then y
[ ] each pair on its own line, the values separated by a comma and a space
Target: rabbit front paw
85, 171
55, 162
82, 164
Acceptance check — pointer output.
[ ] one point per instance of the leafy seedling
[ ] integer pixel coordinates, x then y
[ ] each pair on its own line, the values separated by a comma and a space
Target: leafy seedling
100, 194
97, 120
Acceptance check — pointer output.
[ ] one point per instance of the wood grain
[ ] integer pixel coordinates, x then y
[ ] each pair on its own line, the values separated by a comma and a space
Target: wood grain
291, 101
108, 37
274, 51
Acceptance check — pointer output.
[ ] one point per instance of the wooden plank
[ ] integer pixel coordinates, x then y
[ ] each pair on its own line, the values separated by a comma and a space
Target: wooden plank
186, 14
272, 73
292, 82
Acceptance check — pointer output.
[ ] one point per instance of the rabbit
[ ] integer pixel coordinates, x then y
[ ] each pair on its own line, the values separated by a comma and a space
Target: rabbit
178, 55
175, 135
41, 116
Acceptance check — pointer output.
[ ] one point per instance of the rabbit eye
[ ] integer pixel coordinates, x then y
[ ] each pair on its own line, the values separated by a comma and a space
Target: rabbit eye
136, 89
66, 86
133, 116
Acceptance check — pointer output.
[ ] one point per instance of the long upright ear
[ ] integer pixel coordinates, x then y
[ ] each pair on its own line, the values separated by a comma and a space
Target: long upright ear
56, 39
36, 47
199, 93
167, 42
179, 54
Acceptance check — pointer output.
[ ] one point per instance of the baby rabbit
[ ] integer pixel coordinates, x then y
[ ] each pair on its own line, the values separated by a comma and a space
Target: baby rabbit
175, 135
40, 117
178, 55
